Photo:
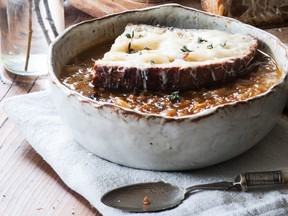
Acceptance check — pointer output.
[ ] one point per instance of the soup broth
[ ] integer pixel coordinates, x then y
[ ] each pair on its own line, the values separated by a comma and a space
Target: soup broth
77, 76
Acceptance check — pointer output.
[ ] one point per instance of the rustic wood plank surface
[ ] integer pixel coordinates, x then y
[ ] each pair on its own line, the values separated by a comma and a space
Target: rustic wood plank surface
28, 185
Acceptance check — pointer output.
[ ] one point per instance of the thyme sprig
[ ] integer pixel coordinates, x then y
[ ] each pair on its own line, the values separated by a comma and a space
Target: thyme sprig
210, 46
185, 49
130, 36
175, 96
224, 44
201, 40
130, 50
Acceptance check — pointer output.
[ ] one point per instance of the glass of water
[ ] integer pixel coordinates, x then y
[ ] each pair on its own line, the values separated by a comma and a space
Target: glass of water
27, 29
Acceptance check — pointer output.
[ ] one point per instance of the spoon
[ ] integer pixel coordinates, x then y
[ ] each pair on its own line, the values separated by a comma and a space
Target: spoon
159, 196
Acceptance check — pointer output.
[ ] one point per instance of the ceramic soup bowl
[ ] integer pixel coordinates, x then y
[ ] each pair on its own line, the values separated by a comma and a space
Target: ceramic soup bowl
157, 142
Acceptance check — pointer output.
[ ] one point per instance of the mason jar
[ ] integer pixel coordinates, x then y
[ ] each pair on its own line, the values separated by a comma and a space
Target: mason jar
27, 29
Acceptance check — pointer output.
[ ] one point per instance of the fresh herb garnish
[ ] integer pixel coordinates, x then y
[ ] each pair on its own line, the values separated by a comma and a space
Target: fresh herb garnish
130, 36
210, 46
147, 48
175, 96
201, 40
224, 44
152, 62
130, 50
185, 49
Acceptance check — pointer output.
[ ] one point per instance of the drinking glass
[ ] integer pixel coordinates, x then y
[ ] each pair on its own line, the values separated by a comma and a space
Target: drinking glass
27, 29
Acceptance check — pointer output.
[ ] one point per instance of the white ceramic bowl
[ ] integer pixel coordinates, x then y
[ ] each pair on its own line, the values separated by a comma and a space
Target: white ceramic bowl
156, 142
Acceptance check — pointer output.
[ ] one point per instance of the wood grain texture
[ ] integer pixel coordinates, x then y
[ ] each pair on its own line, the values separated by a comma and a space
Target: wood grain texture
281, 33
28, 185
99, 8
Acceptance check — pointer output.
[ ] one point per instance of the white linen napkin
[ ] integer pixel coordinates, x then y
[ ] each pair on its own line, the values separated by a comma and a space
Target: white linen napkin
91, 176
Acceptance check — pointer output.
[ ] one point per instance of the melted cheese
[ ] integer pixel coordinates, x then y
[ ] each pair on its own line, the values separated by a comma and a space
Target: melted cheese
149, 46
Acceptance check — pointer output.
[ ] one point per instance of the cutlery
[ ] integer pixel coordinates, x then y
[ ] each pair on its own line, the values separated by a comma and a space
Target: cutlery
159, 196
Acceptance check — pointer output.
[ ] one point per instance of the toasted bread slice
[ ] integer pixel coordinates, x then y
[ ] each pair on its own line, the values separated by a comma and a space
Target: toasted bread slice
161, 58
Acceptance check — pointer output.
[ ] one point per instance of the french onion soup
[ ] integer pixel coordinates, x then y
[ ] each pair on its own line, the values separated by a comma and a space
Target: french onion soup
89, 74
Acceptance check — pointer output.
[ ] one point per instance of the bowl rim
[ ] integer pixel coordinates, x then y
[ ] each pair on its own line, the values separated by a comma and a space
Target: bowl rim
202, 114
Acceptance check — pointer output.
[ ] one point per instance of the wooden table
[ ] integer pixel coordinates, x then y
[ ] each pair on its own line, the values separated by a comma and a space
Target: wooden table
28, 185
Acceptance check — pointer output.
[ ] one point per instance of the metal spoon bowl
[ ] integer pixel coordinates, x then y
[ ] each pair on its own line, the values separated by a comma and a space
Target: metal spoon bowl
159, 196
131, 198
